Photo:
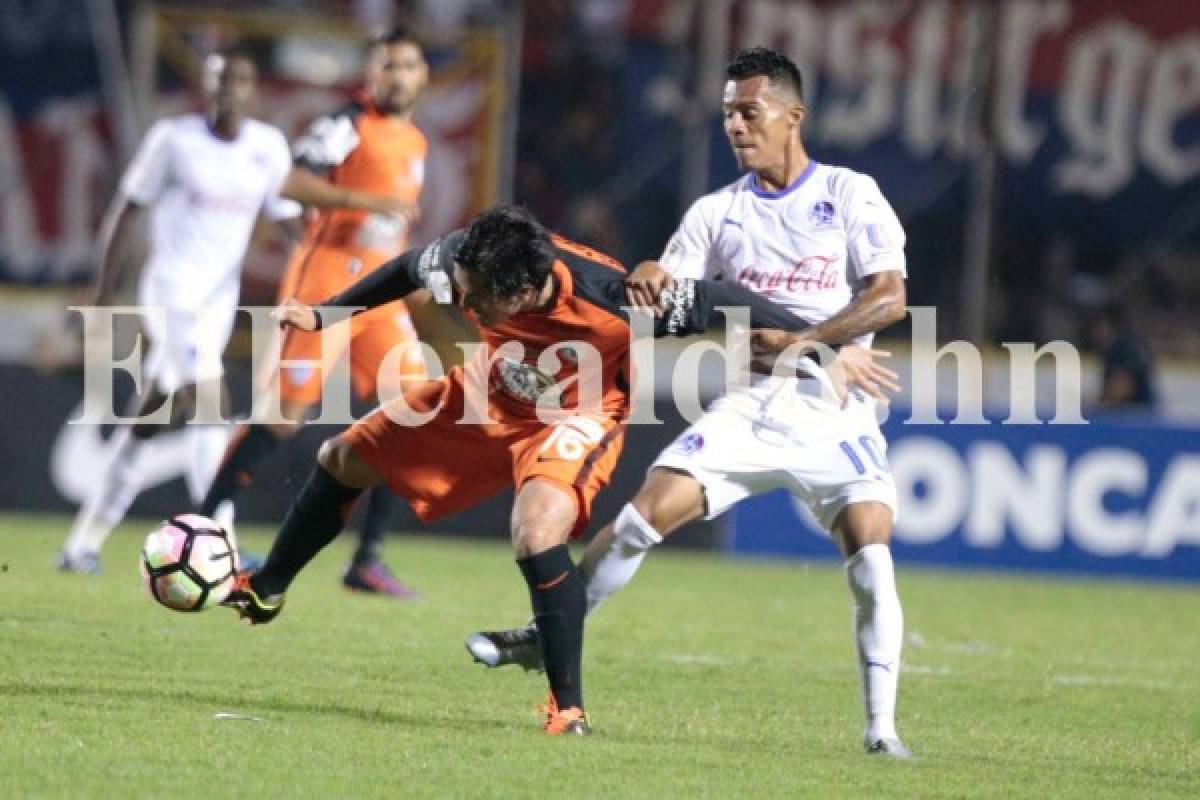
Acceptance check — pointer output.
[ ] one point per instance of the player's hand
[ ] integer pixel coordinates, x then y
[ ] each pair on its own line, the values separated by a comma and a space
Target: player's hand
294, 314
766, 346
395, 207
645, 286
766, 342
859, 367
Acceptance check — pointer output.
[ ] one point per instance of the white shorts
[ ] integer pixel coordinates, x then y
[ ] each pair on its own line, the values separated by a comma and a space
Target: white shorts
186, 343
827, 457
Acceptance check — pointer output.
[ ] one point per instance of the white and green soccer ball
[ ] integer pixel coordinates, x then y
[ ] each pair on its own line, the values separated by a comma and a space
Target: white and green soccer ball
189, 563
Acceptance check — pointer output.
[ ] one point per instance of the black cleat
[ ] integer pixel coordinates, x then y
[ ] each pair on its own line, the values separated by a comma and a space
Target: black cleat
519, 646
248, 605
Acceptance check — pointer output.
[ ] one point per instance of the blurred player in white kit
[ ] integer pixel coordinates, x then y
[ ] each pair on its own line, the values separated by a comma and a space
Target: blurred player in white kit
203, 179
823, 242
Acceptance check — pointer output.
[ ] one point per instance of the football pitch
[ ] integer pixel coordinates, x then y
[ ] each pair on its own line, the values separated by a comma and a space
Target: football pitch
707, 677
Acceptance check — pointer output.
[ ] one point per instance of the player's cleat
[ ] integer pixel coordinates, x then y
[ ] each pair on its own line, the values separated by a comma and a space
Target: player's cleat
80, 563
375, 578
567, 722
519, 646
892, 748
248, 605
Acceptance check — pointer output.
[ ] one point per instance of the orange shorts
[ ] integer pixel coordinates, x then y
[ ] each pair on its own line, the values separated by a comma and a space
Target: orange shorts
316, 275
444, 466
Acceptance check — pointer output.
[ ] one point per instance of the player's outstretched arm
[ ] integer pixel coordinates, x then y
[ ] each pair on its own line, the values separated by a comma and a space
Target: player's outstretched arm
882, 302
310, 189
414, 271
691, 307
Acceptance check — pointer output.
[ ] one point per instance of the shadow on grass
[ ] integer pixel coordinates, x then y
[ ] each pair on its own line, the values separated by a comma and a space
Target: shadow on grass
215, 701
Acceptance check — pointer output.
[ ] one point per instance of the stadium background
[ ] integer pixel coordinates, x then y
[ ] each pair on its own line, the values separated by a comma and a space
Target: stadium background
1042, 155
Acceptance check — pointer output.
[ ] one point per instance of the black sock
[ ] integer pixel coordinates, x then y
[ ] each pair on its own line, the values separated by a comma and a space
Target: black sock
250, 444
314, 520
381, 510
559, 597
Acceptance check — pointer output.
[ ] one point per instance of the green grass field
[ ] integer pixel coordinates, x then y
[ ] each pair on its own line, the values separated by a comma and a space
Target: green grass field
706, 678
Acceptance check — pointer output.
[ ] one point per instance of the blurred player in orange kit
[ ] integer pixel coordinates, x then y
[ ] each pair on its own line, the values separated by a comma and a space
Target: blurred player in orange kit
369, 145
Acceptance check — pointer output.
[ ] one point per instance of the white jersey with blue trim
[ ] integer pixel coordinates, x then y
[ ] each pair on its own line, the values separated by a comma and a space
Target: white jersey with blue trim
807, 247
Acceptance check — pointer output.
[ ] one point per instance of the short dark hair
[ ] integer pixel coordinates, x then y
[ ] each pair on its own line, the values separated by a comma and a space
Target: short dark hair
778, 69
399, 34
508, 249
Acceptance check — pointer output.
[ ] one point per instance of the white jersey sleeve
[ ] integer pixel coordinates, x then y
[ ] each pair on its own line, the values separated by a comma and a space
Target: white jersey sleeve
329, 140
150, 169
688, 253
280, 160
874, 235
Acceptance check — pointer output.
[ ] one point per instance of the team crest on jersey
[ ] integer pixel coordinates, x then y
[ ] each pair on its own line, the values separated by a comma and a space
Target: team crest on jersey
522, 381
691, 443
821, 213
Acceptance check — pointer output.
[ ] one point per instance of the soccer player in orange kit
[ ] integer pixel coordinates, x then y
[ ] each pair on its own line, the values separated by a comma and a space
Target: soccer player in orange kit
370, 145
539, 301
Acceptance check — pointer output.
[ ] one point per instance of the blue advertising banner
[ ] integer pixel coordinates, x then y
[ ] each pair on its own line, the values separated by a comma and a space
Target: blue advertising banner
1116, 497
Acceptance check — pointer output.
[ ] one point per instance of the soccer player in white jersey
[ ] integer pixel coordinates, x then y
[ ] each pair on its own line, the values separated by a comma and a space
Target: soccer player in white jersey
203, 179
824, 242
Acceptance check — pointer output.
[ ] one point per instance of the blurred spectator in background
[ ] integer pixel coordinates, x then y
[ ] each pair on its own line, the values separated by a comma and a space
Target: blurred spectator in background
1128, 370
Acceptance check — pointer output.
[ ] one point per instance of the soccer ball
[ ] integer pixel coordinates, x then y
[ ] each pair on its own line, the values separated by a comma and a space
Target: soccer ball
189, 563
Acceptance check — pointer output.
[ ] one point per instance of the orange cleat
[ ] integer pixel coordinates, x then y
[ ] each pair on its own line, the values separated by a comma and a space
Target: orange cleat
248, 605
565, 722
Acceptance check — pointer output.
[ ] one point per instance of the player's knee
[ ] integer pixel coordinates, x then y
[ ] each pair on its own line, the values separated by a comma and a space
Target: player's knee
862, 524
543, 517
668, 500
535, 537
337, 457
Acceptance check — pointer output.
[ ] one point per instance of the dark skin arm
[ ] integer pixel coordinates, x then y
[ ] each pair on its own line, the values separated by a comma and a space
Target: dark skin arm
882, 302
118, 236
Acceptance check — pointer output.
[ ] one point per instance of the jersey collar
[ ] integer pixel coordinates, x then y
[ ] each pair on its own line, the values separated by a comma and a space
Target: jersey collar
758, 191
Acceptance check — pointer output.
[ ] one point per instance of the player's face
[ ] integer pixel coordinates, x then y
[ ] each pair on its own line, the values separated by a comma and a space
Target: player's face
489, 309
229, 85
760, 122
396, 74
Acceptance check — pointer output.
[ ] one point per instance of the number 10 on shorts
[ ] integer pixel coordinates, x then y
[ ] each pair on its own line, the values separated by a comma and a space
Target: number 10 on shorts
868, 445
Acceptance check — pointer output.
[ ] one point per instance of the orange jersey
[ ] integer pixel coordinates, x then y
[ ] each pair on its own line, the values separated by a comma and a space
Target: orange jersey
362, 149
536, 351
437, 449
516, 384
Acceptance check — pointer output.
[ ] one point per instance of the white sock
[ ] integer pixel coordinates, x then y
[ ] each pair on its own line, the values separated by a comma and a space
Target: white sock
207, 448
608, 569
879, 631
106, 505
225, 513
